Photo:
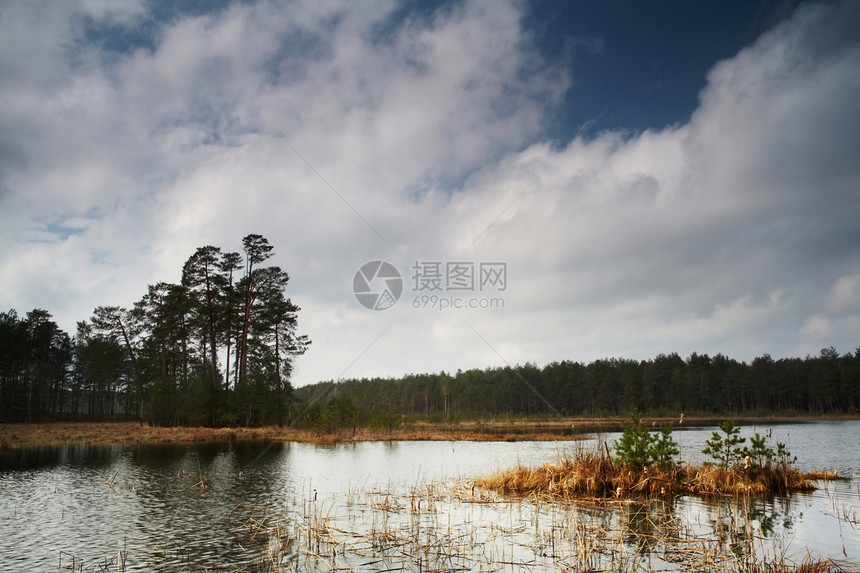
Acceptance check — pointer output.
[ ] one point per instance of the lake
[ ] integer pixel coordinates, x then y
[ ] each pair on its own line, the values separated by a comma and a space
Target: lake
396, 506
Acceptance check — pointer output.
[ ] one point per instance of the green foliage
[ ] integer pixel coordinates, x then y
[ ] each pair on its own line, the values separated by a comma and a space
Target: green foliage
783, 456
633, 448
701, 385
726, 449
665, 448
161, 360
385, 419
638, 447
335, 414
218, 348
758, 450
761, 454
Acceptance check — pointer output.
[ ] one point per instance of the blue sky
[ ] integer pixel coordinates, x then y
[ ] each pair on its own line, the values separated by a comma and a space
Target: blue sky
641, 65
656, 177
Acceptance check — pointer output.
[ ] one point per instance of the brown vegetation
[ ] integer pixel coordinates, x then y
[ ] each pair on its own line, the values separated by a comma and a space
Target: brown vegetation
130, 433
594, 475
414, 530
122, 433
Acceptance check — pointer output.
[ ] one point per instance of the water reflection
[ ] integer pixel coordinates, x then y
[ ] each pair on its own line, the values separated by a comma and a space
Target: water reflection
648, 523
247, 504
31, 459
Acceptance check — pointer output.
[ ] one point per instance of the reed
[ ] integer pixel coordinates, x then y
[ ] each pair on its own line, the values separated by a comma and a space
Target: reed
445, 527
441, 527
592, 474
130, 433
18, 435
120, 433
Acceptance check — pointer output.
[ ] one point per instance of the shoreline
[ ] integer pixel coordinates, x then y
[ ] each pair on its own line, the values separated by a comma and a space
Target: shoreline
52, 434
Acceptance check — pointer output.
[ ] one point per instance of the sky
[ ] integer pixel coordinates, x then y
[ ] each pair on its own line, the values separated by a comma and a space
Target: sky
544, 181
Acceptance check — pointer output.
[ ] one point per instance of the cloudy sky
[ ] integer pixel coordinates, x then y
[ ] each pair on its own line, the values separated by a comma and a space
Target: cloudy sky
663, 177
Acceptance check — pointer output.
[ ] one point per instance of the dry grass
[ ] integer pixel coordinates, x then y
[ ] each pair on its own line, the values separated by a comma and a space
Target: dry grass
504, 430
589, 425
424, 432
587, 474
593, 475
443, 526
437, 528
132, 433
123, 433
777, 479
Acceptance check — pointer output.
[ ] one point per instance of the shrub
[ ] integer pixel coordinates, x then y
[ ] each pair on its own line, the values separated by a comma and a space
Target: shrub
726, 450
638, 447
758, 452
761, 454
665, 448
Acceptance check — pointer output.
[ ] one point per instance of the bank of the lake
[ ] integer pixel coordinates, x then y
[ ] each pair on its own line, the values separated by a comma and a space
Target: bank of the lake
13, 436
23, 435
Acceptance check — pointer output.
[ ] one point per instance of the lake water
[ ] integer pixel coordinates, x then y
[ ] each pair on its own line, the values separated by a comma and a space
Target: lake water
264, 506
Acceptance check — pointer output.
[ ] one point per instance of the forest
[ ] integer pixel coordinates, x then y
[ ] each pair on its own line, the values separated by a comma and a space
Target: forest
215, 349
827, 384
218, 349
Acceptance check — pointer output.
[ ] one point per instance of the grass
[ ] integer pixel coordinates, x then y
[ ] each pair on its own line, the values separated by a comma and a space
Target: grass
496, 430
122, 433
591, 474
463, 526
441, 527
132, 433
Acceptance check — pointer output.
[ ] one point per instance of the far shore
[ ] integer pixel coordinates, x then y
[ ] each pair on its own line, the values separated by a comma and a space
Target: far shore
23, 435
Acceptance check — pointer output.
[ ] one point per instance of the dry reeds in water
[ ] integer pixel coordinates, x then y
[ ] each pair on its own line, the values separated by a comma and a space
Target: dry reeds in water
588, 474
591, 474
443, 527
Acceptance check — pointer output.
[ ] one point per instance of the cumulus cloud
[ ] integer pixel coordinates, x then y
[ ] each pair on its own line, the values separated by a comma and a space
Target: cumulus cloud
844, 297
126, 141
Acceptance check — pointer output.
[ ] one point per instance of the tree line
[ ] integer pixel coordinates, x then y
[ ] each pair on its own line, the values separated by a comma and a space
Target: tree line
826, 384
215, 349
218, 349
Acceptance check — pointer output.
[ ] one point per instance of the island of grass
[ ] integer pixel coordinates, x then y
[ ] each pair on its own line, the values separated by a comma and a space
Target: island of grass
644, 466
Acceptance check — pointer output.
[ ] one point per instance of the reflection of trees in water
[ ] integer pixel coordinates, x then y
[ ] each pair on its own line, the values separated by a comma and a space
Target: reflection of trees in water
649, 523
739, 522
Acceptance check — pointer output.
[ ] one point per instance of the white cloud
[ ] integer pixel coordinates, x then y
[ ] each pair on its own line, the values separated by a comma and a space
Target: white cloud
845, 295
733, 233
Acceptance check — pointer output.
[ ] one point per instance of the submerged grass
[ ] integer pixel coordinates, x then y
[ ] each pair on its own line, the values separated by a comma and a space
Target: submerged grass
441, 527
458, 525
438, 527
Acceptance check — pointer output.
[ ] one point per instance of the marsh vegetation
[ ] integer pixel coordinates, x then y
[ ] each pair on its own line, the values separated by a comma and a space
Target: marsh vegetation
404, 506
646, 465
